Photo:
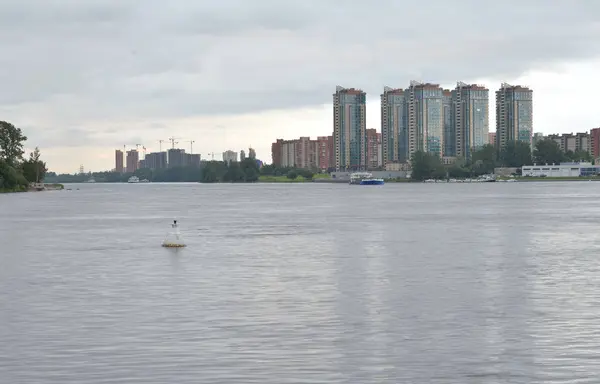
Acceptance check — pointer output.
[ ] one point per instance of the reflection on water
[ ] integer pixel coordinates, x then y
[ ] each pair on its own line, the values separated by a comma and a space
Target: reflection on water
445, 283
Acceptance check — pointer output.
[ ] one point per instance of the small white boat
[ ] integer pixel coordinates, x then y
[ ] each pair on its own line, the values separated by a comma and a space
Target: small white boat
133, 179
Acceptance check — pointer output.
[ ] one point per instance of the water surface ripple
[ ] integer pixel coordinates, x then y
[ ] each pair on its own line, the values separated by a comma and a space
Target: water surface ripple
307, 283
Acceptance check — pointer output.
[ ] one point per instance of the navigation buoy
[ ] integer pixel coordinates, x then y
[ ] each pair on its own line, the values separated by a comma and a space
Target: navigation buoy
174, 238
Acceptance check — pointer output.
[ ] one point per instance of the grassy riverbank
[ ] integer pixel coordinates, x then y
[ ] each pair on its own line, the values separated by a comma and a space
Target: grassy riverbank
49, 187
14, 190
592, 178
285, 179
400, 180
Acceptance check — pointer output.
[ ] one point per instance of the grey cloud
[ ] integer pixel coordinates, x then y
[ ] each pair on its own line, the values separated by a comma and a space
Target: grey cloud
79, 137
60, 137
124, 59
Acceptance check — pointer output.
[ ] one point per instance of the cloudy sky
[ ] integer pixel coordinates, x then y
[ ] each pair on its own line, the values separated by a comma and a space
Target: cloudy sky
84, 77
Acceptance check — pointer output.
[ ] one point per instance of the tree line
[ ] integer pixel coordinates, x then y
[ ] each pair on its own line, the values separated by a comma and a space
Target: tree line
483, 161
246, 171
289, 172
16, 173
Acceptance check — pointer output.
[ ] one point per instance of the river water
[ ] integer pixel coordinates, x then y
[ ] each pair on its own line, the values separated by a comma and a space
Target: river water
303, 283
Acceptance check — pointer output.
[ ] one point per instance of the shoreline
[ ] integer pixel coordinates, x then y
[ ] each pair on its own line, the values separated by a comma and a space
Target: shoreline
285, 180
16, 190
35, 188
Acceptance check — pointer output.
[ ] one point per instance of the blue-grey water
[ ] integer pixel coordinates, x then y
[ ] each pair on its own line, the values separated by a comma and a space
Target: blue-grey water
304, 283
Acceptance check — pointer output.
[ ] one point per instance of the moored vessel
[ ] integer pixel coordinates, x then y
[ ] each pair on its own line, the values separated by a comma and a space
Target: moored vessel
364, 178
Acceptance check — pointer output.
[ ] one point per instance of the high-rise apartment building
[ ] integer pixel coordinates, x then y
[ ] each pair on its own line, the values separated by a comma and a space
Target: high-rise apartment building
492, 138
393, 125
251, 153
230, 156
425, 119
514, 114
242, 155
449, 124
470, 104
288, 153
276, 155
373, 144
412, 120
156, 160
192, 160
303, 153
595, 142
349, 128
582, 142
119, 161
325, 152
176, 157
133, 158
579, 142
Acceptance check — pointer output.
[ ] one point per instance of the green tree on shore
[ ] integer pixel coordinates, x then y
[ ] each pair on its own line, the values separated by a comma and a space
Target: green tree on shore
10, 178
234, 173
547, 151
515, 154
292, 174
307, 173
11, 143
460, 169
15, 173
426, 166
485, 159
579, 156
34, 169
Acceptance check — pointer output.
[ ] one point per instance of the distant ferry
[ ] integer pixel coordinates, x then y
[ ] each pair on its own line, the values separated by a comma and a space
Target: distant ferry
364, 178
133, 179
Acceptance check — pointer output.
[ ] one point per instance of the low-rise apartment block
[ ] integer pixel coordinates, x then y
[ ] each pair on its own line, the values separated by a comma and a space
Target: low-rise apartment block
303, 153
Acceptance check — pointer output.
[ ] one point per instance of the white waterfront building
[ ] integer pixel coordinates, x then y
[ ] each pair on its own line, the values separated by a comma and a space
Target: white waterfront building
561, 170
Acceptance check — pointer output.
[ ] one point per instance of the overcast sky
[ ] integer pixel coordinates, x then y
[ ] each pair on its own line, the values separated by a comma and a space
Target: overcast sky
84, 77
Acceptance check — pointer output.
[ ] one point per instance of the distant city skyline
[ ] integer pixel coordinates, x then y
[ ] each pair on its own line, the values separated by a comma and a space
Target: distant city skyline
168, 158
372, 111
122, 73
460, 119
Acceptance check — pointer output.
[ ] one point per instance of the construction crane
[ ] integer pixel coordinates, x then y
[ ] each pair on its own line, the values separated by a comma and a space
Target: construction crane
144, 149
173, 142
137, 147
191, 146
160, 145
212, 155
